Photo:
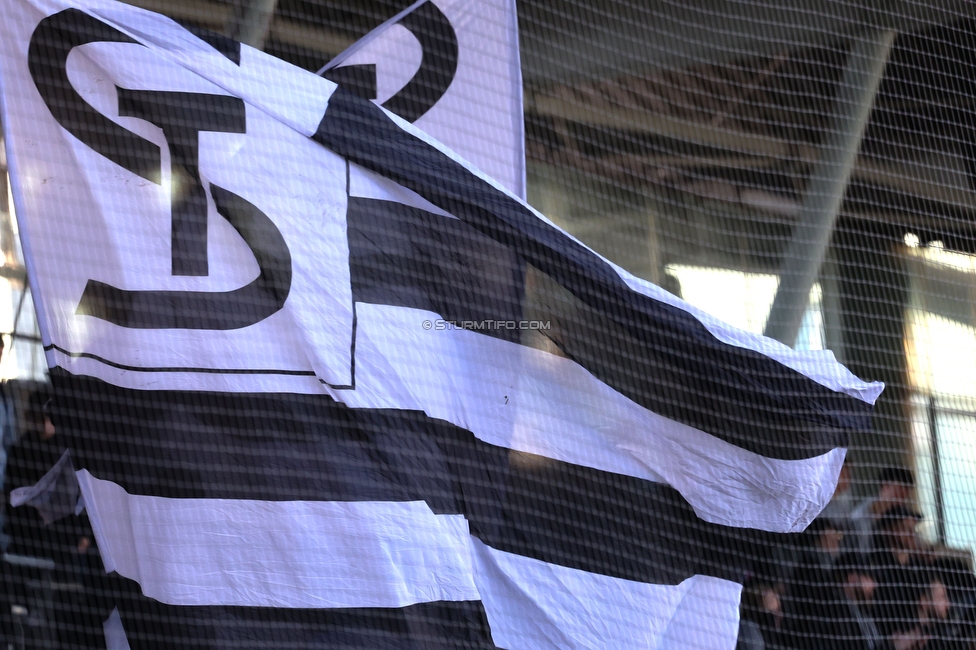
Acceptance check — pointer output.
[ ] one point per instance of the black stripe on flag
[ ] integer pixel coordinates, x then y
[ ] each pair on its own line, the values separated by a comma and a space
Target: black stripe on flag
408, 257
151, 624
668, 361
308, 447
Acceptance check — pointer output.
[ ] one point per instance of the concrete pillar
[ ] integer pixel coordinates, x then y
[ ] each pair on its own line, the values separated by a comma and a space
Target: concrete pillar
874, 291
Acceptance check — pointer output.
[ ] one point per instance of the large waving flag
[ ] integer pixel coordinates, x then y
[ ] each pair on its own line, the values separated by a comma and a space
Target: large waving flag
318, 408
452, 68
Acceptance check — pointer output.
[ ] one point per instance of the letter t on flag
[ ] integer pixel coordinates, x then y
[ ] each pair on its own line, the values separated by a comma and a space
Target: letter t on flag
452, 68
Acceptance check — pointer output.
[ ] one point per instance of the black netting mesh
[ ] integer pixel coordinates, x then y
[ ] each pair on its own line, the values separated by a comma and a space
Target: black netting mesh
705, 147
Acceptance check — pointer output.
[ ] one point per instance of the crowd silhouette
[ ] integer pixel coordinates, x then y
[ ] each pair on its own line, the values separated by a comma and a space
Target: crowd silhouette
864, 580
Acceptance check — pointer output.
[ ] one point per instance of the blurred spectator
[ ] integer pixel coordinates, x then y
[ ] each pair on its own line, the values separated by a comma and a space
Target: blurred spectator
36, 451
826, 540
932, 627
750, 636
895, 489
8, 436
67, 541
839, 613
957, 574
812, 579
896, 539
842, 504
899, 569
33, 454
761, 616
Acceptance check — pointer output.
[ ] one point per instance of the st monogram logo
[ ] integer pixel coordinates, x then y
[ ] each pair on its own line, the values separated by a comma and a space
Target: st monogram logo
182, 116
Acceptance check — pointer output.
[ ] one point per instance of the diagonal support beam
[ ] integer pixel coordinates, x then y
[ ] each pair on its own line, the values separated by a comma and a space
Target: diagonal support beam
828, 184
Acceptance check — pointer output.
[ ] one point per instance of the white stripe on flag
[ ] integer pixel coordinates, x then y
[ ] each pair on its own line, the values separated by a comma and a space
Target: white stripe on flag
529, 400
211, 552
309, 554
533, 605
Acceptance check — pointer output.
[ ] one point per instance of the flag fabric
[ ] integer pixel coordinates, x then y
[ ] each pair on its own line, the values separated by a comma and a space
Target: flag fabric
452, 68
334, 387
55, 495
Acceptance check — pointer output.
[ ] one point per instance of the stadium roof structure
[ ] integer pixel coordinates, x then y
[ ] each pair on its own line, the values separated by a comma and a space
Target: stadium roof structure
749, 130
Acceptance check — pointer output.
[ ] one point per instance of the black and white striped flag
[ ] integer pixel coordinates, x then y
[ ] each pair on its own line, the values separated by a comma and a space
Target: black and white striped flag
337, 389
